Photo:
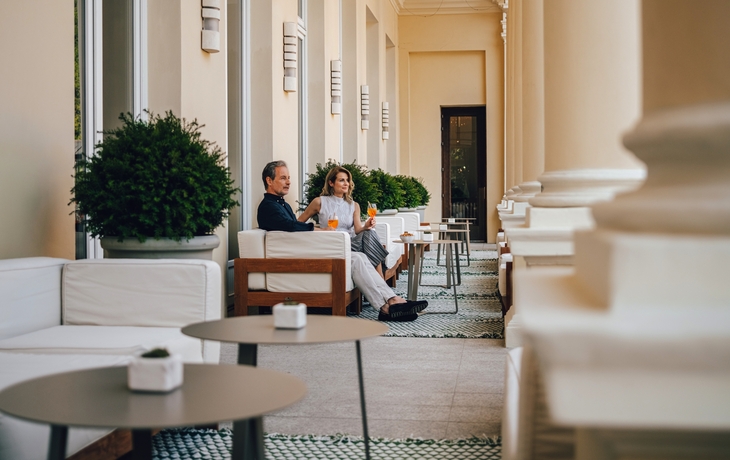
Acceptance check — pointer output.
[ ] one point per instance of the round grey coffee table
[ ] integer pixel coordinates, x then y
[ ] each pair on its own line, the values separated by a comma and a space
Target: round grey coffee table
250, 331
100, 398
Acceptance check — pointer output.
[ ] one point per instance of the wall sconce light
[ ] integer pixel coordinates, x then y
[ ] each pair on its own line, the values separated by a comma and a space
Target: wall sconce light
365, 107
336, 83
211, 37
386, 120
290, 56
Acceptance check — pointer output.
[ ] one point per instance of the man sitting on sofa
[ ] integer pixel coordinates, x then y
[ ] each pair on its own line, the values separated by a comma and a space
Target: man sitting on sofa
275, 214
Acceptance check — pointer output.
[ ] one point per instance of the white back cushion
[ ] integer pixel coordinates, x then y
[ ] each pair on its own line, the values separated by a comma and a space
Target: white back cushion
251, 245
397, 226
411, 221
30, 294
307, 245
137, 292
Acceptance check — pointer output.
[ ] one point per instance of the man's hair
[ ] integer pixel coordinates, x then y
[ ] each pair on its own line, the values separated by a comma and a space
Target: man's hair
270, 171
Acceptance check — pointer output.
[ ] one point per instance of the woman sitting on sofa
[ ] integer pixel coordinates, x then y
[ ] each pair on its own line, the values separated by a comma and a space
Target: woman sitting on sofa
336, 199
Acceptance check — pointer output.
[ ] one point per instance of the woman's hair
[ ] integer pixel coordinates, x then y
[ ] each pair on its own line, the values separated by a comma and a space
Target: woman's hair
328, 190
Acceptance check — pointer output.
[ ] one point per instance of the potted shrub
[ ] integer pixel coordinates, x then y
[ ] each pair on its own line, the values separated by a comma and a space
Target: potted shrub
154, 186
411, 194
391, 192
364, 192
155, 371
425, 196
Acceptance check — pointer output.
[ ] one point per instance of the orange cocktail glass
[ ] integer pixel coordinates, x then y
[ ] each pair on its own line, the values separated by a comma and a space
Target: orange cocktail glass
372, 209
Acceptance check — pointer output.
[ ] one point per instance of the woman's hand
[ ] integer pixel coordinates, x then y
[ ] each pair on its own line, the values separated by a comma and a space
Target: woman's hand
370, 223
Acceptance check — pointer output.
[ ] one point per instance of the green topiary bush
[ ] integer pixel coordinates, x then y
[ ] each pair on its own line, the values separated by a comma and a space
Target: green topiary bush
422, 191
365, 191
411, 193
392, 196
155, 178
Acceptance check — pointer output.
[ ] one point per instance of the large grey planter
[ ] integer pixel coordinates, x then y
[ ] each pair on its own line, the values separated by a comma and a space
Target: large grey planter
199, 247
421, 210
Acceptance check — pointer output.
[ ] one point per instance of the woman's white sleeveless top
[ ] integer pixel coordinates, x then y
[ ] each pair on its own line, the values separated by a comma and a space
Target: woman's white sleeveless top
344, 210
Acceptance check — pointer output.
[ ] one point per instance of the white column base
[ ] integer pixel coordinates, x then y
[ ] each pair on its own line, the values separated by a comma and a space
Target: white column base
602, 444
547, 236
512, 329
517, 216
528, 190
625, 369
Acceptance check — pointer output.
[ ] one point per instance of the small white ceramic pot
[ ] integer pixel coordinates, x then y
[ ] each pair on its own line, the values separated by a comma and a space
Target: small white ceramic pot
155, 374
290, 316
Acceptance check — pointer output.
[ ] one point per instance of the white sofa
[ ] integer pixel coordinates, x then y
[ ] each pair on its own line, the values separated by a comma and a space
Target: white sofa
58, 315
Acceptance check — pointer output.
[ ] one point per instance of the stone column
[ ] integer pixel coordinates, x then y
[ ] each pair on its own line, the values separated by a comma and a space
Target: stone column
633, 341
511, 116
532, 132
591, 95
513, 212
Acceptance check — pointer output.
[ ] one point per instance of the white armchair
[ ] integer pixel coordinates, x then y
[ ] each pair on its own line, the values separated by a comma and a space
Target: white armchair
311, 267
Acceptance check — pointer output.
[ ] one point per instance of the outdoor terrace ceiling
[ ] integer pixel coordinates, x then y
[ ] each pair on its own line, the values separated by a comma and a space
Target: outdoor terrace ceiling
431, 7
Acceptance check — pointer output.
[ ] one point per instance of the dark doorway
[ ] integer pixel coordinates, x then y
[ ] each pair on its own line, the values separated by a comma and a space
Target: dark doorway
464, 166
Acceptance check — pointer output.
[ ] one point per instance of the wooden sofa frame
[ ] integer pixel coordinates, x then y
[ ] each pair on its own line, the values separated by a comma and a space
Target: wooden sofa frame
338, 299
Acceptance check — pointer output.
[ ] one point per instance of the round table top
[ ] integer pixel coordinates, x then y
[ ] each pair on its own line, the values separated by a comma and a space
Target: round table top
449, 230
462, 223
100, 398
430, 242
260, 330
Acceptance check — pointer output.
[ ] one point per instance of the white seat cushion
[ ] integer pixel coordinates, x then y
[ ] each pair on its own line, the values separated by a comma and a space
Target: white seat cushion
104, 340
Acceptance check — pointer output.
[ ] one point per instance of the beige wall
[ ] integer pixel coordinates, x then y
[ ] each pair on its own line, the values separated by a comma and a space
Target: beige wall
671, 34
274, 112
36, 128
429, 54
323, 46
187, 80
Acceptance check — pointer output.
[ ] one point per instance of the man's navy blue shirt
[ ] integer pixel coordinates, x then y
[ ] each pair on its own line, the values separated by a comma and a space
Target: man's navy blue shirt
275, 214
